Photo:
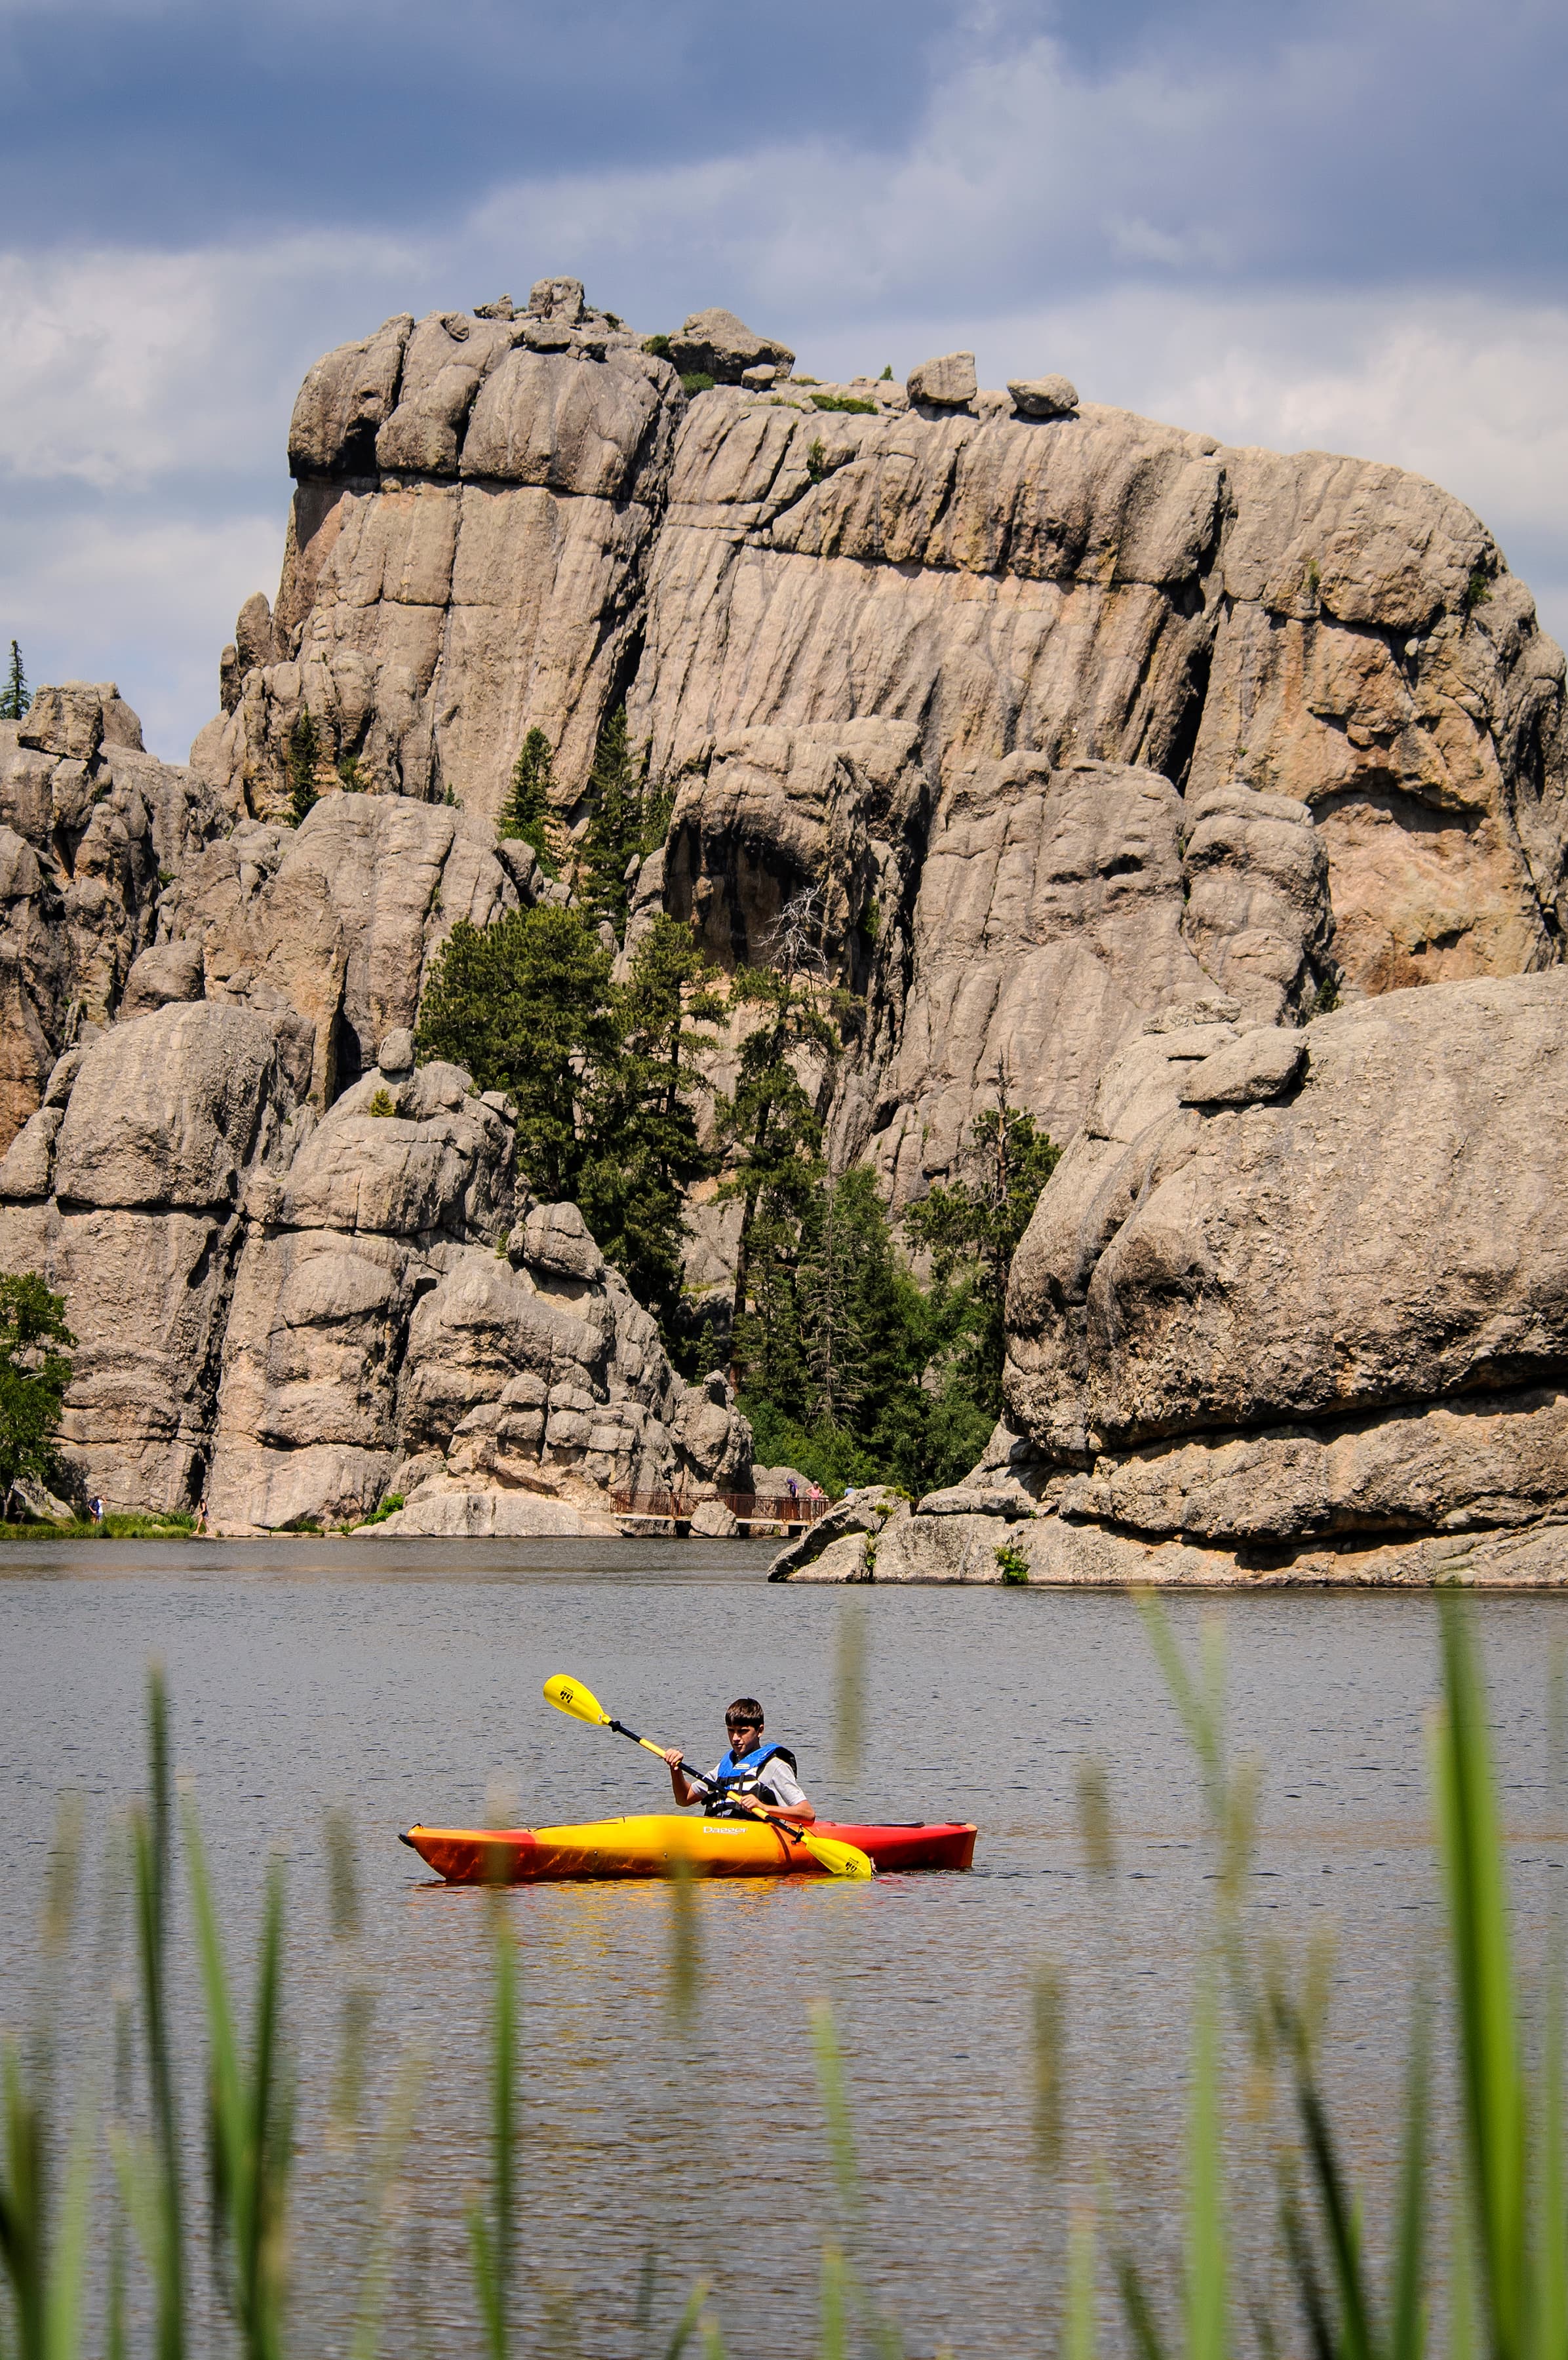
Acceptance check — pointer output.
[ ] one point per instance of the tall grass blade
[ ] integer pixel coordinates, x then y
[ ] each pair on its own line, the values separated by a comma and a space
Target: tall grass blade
1096, 1826
1302, 2261
836, 2106
834, 2341
248, 2114
849, 1689
491, 2236
116, 2344
1341, 2221
385, 2206
1207, 2264
342, 1874
68, 2262
1407, 2281
1047, 2024
1083, 2318
1138, 2310
685, 1981
152, 1828
686, 2325
1551, 2207
1196, 1705
1491, 2076
23, 2205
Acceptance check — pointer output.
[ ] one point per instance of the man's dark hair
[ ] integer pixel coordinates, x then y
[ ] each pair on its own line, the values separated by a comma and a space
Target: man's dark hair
745, 1708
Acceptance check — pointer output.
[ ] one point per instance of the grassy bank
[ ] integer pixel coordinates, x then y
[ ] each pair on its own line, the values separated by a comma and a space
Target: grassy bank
112, 2220
131, 1527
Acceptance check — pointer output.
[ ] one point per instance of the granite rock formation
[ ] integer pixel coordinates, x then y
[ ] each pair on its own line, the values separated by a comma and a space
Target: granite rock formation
1294, 1305
1127, 713
291, 1317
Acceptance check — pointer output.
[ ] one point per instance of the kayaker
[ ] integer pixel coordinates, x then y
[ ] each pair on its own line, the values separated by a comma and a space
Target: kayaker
764, 1773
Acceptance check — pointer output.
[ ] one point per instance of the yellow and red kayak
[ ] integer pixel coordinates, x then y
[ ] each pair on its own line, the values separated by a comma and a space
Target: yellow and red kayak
652, 1845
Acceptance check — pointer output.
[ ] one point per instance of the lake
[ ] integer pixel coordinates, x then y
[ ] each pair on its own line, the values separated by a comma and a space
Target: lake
402, 1679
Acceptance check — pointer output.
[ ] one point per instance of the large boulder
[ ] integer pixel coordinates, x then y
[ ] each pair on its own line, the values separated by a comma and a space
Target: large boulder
337, 919
166, 1121
1293, 1306
715, 343
394, 1330
1373, 1223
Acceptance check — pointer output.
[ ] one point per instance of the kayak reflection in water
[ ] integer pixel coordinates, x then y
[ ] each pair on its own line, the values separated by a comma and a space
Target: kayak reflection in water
764, 1774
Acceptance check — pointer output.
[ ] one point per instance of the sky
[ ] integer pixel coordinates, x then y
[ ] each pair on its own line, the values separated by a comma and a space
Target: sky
1339, 226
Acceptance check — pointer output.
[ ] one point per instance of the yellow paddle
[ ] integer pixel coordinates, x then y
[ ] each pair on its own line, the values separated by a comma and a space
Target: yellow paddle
839, 1859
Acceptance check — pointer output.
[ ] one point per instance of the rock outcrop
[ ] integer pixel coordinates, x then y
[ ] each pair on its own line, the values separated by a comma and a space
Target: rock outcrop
92, 830
1294, 1306
1070, 715
289, 1317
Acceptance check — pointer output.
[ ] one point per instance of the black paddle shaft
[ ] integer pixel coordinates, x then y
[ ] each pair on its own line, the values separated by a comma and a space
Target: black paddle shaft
693, 1777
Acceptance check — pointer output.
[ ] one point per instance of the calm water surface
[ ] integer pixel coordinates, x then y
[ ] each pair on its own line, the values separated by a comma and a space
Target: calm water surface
403, 1679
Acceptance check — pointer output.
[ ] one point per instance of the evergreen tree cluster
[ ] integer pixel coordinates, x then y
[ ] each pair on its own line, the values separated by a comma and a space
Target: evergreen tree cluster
34, 1375
599, 1073
849, 1368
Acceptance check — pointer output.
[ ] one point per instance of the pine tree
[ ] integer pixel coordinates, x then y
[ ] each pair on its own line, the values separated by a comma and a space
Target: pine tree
614, 836
643, 1150
304, 755
769, 1125
16, 697
972, 1230
526, 1006
33, 1377
526, 810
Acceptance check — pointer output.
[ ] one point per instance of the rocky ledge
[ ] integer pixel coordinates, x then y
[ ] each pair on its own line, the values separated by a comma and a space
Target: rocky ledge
1292, 1308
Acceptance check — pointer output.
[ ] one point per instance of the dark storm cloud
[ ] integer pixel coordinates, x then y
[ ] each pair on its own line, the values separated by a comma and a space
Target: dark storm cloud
1232, 142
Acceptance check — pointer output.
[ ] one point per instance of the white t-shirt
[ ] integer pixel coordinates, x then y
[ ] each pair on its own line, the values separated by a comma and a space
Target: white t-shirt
775, 1784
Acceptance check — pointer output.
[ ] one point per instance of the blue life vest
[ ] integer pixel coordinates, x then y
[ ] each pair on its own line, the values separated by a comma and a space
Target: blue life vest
740, 1777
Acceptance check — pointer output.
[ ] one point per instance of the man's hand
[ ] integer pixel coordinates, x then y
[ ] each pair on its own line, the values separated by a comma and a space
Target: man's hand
674, 1756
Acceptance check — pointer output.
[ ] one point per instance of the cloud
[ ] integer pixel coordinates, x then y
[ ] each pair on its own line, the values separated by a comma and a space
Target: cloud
1270, 229
146, 601
119, 367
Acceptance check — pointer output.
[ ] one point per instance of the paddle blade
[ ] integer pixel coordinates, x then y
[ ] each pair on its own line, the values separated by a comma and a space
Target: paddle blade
569, 1696
838, 1859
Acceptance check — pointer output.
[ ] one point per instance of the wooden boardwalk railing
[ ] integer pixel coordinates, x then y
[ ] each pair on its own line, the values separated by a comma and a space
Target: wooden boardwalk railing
745, 1507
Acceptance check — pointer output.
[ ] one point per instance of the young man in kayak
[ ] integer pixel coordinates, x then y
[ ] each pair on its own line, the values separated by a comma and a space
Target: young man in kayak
764, 1774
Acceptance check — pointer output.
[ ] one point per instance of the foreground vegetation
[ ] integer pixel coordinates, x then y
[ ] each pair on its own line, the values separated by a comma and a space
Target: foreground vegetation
1482, 2263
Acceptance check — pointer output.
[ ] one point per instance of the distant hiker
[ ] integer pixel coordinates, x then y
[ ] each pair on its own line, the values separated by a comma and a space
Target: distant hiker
764, 1773
96, 1510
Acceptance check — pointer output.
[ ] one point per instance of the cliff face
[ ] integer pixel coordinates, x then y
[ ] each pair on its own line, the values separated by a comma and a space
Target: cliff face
1071, 715
1112, 753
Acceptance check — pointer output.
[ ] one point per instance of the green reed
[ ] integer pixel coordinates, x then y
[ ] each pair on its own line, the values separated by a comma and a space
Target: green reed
1488, 2254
